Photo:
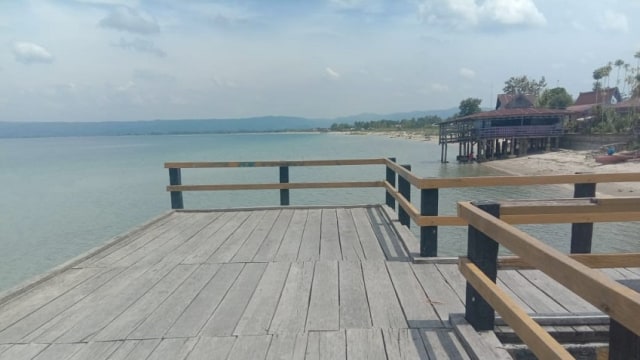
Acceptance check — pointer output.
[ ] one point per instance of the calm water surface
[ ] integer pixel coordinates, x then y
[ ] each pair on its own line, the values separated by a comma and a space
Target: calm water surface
63, 196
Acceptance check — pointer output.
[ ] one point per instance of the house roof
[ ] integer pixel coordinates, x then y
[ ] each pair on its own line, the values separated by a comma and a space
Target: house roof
511, 113
504, 100
628, 104
603, 96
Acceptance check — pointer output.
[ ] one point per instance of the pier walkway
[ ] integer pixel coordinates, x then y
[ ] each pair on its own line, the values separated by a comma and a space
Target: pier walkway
272, 283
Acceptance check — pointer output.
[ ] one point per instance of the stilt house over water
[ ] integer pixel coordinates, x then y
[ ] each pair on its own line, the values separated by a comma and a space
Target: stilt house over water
513, 129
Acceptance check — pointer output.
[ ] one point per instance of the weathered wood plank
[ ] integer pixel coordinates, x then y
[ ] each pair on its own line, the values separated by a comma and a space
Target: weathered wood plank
205, 303
271, 244
290, 246
386, 311
159, 322
402, 344
534, 297
329, 345
133, 316
96, 350
439, 292
442, 344
212, 348
4, 347
125, 348
329, 237
228, 313
250, 347
230, 247
572, 302
310, 245
370, 245
418, 311
254, 241
324, 309
387, 238
349, 241
176, 349
235, 164
354, 306
454, 278
482, 345
257, 316
206, 250
22, 351
142, 349
365, 344
59, 351
291, 313
289, 346
514, 296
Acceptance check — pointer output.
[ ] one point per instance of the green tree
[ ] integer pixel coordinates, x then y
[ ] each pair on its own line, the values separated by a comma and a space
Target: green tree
469, 106
556, 98
618, 64
522, 85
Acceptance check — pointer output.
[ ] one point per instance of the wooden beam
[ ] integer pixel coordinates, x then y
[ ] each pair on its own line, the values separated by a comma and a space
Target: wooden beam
486, 181
275, 186
620, 302
537, 339
413, 212
594, 261
574, 205
596, 217
408, 175
234, 164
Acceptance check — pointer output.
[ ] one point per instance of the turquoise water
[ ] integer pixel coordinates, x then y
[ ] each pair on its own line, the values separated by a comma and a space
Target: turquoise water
63, 196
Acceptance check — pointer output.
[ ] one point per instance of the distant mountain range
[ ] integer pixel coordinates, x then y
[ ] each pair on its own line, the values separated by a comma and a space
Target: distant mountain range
191, 126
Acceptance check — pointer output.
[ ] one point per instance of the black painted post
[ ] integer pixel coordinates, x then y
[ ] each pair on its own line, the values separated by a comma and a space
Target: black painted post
404, 187
483, 252
175, 178
391, 179
624, 344
581, 233
284, 179
429, 234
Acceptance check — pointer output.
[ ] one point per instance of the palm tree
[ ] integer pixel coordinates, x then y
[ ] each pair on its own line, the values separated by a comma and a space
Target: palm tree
625, 81
637, 56
597, 76
618, 64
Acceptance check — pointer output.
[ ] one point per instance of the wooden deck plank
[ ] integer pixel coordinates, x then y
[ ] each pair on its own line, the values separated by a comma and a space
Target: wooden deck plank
269, 248
365, 344
96, 350
212, 348
354, 306
142, 349
572, 302
207, 249
403, 344
329, 345
454, 278
125, 348
417, 310
205, 303
290, 346
368, 240
324, 311
534, 297
59, 351
291, 314
310, 245
22, 351
387, 238
133, 316
159, 322
227, 250
250, 347
349, 241
386, 311
514, 296
329, 236
176, 349
226, 317
290, 246
258, 236
439, 292
257, 316
443, 344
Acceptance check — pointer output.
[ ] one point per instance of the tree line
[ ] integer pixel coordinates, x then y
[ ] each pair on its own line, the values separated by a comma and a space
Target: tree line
384, 124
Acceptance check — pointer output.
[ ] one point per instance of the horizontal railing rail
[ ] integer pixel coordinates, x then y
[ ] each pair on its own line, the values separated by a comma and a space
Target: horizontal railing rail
487, 231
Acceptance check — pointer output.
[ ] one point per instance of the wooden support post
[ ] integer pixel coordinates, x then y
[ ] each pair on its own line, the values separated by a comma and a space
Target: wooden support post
391, 179
483, 252
429, 234
624, 344
582, 233
284, 178
175, 178
404, 187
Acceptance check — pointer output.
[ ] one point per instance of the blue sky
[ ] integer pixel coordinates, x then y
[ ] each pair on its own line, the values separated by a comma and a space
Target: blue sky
96, 60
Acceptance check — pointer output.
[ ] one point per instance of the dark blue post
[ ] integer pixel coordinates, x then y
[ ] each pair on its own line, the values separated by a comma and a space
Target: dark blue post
391, 179
404, 187
582, 233
175, 178
429, 234
483, 252
284, 179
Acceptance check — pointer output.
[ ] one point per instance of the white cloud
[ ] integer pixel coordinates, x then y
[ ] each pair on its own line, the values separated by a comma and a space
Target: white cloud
332, 73
141, 45
367, 6
127, 19
30, 53
512, 12
437, 87
614, 21
467, 73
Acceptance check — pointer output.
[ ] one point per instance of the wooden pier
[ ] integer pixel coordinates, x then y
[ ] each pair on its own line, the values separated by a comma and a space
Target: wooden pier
292, 283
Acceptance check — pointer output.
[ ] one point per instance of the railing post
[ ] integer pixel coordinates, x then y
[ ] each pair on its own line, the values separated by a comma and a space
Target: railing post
429, 234
483, 252
391, 179
582, 233
284, 179
404, 187
175, 178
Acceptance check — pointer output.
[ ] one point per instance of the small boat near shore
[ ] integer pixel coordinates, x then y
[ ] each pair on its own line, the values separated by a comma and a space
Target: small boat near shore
610, 159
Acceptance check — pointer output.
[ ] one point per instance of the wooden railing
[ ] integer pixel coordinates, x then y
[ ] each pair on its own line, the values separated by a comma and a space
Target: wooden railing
487, 231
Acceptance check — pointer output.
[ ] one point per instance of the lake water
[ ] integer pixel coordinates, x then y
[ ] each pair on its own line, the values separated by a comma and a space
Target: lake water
63, 196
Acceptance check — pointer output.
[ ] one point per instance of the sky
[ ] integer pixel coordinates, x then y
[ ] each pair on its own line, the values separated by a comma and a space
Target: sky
103, 60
